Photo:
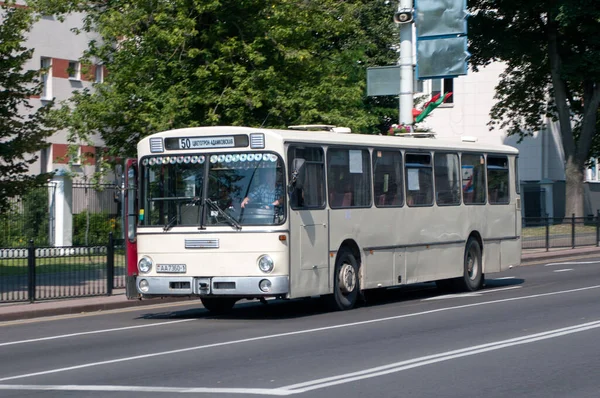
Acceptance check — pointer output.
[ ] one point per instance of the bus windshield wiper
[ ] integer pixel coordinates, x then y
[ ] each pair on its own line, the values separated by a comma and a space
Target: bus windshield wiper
216, 207
170, 224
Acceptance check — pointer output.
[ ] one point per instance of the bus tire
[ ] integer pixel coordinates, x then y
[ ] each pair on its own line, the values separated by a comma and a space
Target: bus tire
218, 305
346, 281
473, 266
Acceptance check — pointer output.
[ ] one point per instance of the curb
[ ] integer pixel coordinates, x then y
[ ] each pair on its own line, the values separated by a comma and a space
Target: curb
534, 258
66, 309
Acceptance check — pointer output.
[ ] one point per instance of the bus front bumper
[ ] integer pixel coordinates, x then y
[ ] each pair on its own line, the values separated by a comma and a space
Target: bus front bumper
247, 286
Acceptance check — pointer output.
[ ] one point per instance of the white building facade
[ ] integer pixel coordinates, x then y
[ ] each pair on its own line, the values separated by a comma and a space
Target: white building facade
541, 159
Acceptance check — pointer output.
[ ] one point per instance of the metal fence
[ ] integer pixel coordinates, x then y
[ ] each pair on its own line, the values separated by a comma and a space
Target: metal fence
550, 232
42, 273
96, 212
28, 217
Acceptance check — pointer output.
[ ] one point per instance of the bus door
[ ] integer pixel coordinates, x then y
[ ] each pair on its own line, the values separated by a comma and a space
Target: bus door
130, 212
308, 220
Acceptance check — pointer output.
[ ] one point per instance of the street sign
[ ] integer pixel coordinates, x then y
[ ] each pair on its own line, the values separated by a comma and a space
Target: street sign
441, 58
440, 18
383, 80
441, 28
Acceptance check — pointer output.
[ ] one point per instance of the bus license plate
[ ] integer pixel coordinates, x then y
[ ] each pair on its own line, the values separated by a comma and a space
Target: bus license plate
171, 268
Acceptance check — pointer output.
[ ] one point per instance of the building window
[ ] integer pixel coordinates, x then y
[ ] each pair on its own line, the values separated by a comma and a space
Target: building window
74, 70
46, 77
77, 157
443, 86
99, 73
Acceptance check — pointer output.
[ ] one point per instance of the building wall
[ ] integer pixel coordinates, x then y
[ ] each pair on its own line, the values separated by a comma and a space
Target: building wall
541, 158
55, 41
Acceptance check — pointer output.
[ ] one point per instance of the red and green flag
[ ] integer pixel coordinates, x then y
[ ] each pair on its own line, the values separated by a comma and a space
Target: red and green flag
430, 105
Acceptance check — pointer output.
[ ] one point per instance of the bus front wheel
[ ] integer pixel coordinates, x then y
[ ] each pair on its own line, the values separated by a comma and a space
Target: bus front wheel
473, 270
218, 305
346, 281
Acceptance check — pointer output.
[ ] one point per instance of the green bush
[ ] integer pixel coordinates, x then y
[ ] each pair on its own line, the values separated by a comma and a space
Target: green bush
28, 218
93, 228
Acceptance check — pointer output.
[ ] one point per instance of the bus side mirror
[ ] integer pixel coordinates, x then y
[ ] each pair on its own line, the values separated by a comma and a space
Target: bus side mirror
297, 173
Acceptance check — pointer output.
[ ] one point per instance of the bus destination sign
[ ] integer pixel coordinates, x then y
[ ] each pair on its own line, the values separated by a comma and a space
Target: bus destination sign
206, 142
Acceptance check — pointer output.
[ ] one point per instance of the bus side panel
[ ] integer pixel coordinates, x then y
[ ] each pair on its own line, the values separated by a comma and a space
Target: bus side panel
378, 271
491, 257
510, 254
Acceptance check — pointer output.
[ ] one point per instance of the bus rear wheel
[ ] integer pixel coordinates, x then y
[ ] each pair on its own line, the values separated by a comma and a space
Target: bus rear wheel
346, 281
218, 305
473, 270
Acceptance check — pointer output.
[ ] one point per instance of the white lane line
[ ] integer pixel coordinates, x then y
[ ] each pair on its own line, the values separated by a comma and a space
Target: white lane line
485, 291
504, 278
472, 294
62, 336
435, 358
573, 263
563, 270
172, 390
294, 333
325, 382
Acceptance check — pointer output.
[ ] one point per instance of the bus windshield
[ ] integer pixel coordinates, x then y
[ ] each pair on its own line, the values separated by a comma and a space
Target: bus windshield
243, 189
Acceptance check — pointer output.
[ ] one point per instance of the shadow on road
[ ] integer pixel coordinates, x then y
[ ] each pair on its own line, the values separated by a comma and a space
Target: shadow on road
298, 308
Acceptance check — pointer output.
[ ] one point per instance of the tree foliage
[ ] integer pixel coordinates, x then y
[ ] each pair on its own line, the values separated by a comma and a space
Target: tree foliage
272, 63
23, 130
552, 52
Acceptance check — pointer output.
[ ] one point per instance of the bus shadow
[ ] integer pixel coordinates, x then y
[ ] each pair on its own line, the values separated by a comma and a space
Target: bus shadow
299, 308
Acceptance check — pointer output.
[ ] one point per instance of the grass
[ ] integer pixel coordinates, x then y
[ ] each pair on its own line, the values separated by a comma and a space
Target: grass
558, 229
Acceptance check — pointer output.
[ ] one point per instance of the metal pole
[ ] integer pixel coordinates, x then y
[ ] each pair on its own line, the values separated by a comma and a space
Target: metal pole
406, 67
547, 232
573, 231
110, 264
597, 228
31, 271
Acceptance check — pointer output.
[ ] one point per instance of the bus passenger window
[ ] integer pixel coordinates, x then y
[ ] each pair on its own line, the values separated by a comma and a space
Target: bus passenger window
419, 179
310, 192
497, 177
473, 178
447, 179
387, 178
348, 178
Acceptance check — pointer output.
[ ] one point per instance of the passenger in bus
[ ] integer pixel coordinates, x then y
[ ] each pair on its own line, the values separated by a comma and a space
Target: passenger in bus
268, 192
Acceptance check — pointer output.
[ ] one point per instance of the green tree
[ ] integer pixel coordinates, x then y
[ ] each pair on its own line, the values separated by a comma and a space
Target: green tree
271, 63
23, 130
552, 52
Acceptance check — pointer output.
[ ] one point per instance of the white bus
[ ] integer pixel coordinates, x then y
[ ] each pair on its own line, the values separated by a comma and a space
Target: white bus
230, 213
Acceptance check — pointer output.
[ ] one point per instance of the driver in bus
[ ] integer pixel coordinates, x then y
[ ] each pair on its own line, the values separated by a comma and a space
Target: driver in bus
267, 192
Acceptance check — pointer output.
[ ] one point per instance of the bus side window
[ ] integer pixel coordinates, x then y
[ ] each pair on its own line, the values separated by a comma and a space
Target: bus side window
310, 193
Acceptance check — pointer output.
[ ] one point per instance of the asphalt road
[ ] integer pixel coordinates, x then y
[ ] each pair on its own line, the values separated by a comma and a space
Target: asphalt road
532, 332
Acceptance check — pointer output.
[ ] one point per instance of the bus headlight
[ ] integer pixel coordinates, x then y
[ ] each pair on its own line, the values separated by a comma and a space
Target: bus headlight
145, 265
265, 263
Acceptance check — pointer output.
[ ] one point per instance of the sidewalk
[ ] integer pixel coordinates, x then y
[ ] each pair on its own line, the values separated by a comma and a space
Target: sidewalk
21, 311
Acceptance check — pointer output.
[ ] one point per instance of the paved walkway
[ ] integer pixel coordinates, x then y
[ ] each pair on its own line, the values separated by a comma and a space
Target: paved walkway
21, 311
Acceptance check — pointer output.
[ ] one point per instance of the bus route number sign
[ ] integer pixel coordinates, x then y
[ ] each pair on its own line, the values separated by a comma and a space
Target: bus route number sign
206, 142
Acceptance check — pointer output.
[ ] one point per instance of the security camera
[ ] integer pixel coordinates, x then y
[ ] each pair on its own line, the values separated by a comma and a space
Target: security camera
403, 16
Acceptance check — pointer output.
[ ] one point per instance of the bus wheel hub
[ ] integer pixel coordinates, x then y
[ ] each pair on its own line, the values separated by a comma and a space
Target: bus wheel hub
347, 278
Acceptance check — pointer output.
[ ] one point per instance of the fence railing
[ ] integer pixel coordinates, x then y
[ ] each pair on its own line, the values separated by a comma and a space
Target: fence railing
551, 232
44, 273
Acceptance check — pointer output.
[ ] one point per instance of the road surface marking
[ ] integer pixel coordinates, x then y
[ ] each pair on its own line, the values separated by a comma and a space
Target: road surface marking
326, 382
573, 263
294, 333
62, 336
563, 270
